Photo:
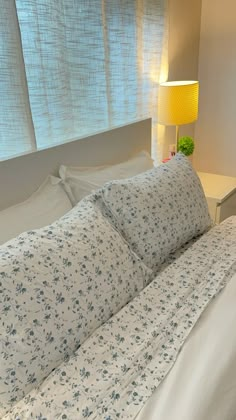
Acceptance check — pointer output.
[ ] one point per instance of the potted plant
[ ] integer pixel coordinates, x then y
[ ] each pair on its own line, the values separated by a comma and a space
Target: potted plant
185, 145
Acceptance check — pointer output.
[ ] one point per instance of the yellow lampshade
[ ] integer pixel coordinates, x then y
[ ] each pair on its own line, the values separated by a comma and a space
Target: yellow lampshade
178, 102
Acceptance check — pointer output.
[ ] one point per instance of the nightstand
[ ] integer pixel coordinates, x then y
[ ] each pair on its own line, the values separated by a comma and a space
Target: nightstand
220, 192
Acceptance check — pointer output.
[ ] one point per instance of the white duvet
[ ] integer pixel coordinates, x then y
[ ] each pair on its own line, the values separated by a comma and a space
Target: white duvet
202, 383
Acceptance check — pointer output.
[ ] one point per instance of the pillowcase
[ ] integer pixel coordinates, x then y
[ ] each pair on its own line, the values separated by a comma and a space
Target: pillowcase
160, 210
58, 284
43, 207
81, 181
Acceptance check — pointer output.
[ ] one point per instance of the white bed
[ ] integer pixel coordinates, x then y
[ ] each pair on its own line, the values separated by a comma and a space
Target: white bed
21, 176
168, 354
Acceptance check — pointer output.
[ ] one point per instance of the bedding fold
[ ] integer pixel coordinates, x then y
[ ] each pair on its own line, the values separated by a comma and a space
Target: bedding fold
119, 366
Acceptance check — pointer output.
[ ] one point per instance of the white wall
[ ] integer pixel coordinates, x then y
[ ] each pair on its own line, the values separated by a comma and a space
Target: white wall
183, 50
215, 130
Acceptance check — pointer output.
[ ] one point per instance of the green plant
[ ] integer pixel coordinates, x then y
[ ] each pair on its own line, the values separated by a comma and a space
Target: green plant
186, 145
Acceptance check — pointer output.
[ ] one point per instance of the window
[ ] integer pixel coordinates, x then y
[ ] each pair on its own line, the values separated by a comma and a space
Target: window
70, 68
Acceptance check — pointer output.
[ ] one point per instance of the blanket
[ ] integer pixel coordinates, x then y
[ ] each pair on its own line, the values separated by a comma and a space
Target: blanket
117, 369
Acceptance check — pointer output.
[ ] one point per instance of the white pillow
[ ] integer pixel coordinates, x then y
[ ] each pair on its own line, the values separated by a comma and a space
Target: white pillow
58, 284
43, 207
158, 211
82, 181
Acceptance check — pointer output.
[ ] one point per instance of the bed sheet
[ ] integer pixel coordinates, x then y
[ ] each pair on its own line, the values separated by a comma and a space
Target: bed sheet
202, 383
115, 372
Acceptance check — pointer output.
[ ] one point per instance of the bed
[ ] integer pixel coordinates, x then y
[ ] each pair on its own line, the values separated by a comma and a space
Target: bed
123, 306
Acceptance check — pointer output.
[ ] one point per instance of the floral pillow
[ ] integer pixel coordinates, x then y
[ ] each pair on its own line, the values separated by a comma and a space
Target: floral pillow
58, 284
159, 210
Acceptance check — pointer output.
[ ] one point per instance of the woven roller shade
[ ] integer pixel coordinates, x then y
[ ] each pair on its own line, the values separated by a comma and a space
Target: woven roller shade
71, 68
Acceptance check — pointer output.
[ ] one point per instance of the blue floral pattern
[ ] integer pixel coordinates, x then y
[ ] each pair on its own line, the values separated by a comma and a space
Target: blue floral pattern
57, 285
158, 211
118, 367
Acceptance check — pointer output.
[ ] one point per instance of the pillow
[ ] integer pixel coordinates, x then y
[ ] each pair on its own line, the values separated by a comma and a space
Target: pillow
58, 284
44, 206
160, 210
81, 181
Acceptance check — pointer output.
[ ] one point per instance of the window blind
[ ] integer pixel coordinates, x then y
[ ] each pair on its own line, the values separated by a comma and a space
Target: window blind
74, 67
16, 129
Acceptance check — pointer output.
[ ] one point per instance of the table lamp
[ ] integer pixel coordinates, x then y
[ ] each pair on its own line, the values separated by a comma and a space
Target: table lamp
178, 104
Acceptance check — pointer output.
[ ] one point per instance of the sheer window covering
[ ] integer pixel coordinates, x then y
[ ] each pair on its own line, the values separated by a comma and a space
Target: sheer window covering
70, 68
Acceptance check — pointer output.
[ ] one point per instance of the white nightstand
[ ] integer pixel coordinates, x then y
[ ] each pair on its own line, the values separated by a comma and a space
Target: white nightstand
220, 192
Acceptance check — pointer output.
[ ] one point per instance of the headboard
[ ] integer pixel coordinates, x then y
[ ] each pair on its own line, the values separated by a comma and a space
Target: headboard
21, 176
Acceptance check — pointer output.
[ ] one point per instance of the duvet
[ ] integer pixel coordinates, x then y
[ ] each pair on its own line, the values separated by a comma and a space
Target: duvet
128, 359
202, 383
